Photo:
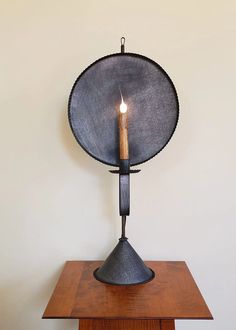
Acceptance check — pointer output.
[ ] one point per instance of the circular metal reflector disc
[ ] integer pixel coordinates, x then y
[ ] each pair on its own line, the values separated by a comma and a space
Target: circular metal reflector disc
152, 104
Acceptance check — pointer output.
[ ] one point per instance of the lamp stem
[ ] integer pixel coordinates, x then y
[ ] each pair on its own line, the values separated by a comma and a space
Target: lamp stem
123, 226
122, 44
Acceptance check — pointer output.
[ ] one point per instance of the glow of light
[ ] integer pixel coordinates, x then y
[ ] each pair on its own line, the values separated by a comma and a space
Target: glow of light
123, 107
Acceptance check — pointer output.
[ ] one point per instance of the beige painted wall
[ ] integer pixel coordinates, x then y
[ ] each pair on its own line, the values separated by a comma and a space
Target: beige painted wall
58, 204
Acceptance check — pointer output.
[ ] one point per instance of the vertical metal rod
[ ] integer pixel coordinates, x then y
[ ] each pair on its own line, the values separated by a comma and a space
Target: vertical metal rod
123, 218
122, 44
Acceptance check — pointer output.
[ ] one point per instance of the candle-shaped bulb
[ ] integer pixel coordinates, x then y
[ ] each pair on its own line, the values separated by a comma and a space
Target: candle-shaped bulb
123, 107
123, 129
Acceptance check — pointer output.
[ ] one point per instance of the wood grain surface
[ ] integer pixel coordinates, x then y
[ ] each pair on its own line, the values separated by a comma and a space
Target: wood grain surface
172, 294
98, 324
167, 324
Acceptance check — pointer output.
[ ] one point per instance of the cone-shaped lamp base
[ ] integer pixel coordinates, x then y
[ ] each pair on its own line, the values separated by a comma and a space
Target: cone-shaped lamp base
124, 267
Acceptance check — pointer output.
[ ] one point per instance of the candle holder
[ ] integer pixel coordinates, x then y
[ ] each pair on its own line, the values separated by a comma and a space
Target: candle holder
149, 103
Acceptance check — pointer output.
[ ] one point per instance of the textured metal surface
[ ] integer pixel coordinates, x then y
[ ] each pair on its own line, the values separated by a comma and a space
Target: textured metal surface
124, 267
124, 194
124, 187
152, 107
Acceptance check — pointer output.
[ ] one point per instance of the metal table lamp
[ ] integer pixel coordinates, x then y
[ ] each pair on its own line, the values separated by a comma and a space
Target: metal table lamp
123, 110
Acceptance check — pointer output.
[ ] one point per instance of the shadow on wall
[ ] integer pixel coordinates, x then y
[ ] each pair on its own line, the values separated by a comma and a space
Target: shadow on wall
86, 163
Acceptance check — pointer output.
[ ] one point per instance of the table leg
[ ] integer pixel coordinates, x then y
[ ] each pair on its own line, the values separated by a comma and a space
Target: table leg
167, 324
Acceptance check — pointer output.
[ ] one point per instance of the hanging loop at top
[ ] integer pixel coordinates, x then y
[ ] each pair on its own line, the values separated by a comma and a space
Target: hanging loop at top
122, 44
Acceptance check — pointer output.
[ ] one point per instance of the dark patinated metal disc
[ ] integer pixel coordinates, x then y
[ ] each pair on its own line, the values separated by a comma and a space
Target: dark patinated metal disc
152, 107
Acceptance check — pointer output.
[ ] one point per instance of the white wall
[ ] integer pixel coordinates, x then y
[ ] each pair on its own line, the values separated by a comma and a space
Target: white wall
58, 204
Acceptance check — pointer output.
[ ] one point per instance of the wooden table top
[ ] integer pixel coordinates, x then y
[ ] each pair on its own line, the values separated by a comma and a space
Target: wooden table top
172, 294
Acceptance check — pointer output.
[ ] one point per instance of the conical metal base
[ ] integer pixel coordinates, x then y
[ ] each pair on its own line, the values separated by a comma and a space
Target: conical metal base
124, 267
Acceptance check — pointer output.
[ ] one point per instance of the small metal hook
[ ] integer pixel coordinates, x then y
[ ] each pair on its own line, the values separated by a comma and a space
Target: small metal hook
122, 42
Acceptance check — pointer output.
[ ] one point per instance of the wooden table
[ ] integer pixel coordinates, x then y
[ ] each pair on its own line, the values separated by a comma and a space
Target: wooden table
171, 295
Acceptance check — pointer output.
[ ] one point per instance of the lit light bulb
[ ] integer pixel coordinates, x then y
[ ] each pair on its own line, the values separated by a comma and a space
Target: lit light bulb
123, 129
123, 107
